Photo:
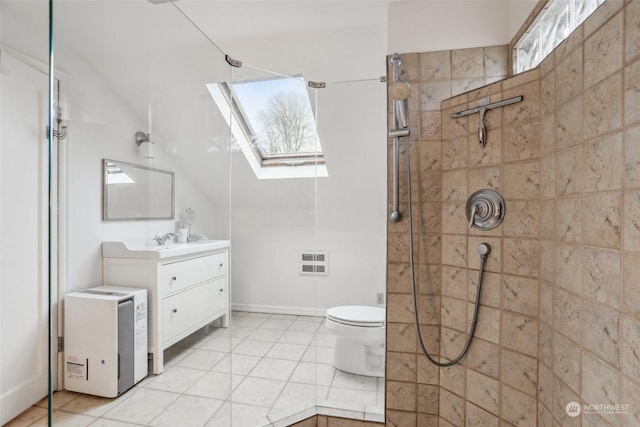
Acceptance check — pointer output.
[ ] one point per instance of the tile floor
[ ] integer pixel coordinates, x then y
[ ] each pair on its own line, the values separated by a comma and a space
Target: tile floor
264, 370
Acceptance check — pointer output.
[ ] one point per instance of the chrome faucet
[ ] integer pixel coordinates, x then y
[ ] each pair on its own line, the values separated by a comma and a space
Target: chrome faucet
162, 240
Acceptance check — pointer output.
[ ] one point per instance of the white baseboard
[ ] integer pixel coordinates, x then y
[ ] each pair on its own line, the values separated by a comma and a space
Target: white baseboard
276, 309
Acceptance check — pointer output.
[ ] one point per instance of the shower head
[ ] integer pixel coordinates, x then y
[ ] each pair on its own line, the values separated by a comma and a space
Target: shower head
399, 90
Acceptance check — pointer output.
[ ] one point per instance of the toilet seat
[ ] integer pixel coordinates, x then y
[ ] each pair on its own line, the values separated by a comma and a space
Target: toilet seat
357, 315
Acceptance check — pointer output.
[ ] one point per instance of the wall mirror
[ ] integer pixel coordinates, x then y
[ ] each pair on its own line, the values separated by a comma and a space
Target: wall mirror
134, 192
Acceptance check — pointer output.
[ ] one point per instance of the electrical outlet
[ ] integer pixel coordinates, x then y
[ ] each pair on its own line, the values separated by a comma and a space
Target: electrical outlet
380, 298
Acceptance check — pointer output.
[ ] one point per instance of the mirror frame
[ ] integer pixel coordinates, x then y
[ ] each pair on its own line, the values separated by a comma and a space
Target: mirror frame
105, 192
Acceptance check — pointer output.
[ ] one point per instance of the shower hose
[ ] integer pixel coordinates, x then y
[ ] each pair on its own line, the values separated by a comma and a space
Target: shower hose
483, 259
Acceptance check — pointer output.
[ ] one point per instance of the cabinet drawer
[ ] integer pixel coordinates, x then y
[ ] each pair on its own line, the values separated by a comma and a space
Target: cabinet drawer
182, 274
186, 309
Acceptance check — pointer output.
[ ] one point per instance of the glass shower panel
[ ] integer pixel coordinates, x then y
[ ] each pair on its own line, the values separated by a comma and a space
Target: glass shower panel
273, 236
351, 223
24, 201
144, 133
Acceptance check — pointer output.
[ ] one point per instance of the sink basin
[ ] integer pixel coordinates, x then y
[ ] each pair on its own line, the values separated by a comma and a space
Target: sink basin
141, 248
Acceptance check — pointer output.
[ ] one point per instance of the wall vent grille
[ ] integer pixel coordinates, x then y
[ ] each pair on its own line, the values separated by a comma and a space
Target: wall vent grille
314, 263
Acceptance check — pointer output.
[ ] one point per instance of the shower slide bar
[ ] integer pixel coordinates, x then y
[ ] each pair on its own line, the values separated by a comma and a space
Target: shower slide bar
399, 91
483, 106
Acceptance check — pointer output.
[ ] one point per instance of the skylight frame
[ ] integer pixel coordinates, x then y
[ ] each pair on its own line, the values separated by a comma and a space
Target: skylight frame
274, 166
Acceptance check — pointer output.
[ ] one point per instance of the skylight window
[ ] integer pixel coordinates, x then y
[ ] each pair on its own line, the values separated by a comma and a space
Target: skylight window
273, 122
555, 22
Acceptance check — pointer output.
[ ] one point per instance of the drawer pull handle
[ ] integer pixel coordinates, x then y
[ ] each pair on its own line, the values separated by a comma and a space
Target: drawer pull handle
174, 278
175, 310
221, 266
221, 289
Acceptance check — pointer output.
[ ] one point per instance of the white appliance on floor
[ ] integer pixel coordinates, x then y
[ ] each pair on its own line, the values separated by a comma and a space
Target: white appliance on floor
105, 340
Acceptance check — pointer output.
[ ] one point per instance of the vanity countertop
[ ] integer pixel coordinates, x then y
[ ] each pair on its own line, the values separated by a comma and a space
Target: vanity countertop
142, 248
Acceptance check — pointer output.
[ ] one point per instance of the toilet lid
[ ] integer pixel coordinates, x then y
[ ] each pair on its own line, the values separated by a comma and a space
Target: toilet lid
357, 315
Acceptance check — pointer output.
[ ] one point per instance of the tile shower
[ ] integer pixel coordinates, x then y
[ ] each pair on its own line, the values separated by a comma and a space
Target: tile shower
560, 314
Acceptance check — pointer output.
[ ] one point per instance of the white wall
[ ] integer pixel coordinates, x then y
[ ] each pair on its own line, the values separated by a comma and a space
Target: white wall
272, 220
434, 25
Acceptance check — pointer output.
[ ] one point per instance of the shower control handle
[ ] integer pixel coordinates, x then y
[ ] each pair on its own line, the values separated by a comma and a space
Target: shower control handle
485, 209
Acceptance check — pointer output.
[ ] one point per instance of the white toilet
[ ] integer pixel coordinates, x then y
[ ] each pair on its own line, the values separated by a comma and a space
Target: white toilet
360, 334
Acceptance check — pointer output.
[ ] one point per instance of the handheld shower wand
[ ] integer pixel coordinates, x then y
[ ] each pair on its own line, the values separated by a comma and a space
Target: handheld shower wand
399, 91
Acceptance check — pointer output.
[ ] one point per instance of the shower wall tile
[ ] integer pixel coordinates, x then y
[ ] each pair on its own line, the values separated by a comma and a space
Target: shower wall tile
520, 333
453, 282
632, 157
548, 177
451, 407
568, 261
569, 220
521, 257
601, 332
410, 68
519, 371
401, 367
631, 347
600, 383
484, 357
521, 142
459, 86
632, 31
547, 219
483, 391
488, 327
545, 344
399, 418
631, 393
435, 66
431, 128
432, 92
569, 76
455, 153
567, 314
603, 164
632, 221
453, 378
479, 417
523, 219
547, 135
547, 95
569, 165
602, 219
454, 250
520, 294
631, 290
603, 52
603, 107
401, 395
518, 408
496, 59
602, 276
491, 154
401, 336
560, 316
525, 110
467, 63
491, 285
521, 79
566, 361
485, 177
521, 180
427, 399
454, 314
455, 214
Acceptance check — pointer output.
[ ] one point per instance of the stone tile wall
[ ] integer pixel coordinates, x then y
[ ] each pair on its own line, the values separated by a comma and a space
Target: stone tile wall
560, 315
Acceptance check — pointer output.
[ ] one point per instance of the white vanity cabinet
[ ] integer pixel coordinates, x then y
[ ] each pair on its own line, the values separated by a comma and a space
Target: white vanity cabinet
186, 291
